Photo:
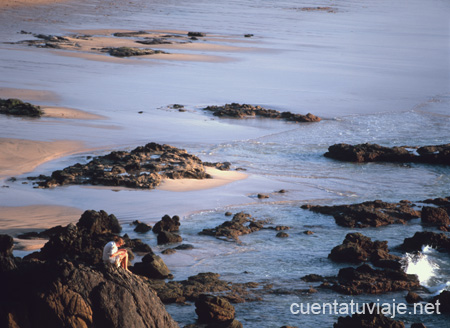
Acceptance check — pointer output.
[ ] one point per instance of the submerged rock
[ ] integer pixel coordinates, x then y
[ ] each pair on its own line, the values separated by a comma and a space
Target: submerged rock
19, 108
235, 110
368, 214
241, 224
144, 167
362, 153
208, 282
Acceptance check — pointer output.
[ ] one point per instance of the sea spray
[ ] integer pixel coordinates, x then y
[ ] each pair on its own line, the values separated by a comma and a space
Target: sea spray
421, 264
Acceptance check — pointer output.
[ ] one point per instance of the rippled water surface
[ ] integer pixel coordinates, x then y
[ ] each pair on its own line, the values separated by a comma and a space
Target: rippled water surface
375, 71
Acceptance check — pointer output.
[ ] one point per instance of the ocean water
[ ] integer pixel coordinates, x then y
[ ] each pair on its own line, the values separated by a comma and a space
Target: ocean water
375, 71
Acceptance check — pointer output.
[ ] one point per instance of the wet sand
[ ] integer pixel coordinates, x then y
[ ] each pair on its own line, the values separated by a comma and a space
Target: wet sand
220, 178
23, 3
18, 156
69, 113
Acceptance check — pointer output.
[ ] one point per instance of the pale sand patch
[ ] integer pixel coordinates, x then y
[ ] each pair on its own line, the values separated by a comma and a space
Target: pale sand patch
15, 220
69, 113
28, 94
220, 178
18, 156
22, 3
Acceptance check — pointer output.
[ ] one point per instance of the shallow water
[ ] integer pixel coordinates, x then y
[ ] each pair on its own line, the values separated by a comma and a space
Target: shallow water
376, 72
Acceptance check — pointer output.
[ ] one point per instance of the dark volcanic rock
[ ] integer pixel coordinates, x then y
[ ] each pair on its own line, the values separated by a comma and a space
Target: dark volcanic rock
361, 153
152, 266
241, 224
444, 301
194, 286
196, 34
66, 294
412, 297
282, 234
6, 245
142, 227
235, 110
435, 216
130, 34
83, 241
424, 238
358, 248
154, 41
368, 320
215, 311
144, 167
167, 223
368, 214
46, 234
365, 279
129, 52
19, 108
165, 237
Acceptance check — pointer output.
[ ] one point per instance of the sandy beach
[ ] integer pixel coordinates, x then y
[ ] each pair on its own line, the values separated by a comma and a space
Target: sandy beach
20, 156
374, 73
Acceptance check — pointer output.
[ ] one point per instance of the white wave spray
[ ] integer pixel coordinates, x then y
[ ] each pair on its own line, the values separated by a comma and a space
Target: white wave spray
421, 265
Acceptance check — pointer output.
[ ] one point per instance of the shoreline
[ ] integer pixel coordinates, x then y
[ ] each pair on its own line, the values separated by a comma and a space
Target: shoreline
19, 156
7, 4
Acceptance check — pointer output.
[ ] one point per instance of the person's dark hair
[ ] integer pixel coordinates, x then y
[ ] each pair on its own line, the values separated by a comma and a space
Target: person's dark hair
118, 239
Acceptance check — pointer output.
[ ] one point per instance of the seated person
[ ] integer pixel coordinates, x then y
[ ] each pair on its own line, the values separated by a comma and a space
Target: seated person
112, 254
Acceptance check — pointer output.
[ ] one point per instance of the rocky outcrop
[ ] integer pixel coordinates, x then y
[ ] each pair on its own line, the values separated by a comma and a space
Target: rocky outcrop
368, 214
412, 298
130, 52
17, 107
141, 227
241, 224
152, 266
357, 248
366, 280
362, 153
167, 223
426, 238
435, 216
216, 312
369, 319
235, 110
444, 301
165, 237
7, 262
69, 294
202, 283
144, 167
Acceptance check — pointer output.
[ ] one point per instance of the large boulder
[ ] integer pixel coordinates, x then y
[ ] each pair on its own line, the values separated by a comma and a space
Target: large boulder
368, 320
216, 312
152, 266
66, 294
6, 245
94, 222
435, 216
357, 248
165, 237
444, 301
167, 223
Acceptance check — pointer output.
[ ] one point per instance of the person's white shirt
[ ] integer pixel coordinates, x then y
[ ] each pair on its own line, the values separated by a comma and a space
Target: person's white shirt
109, 249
